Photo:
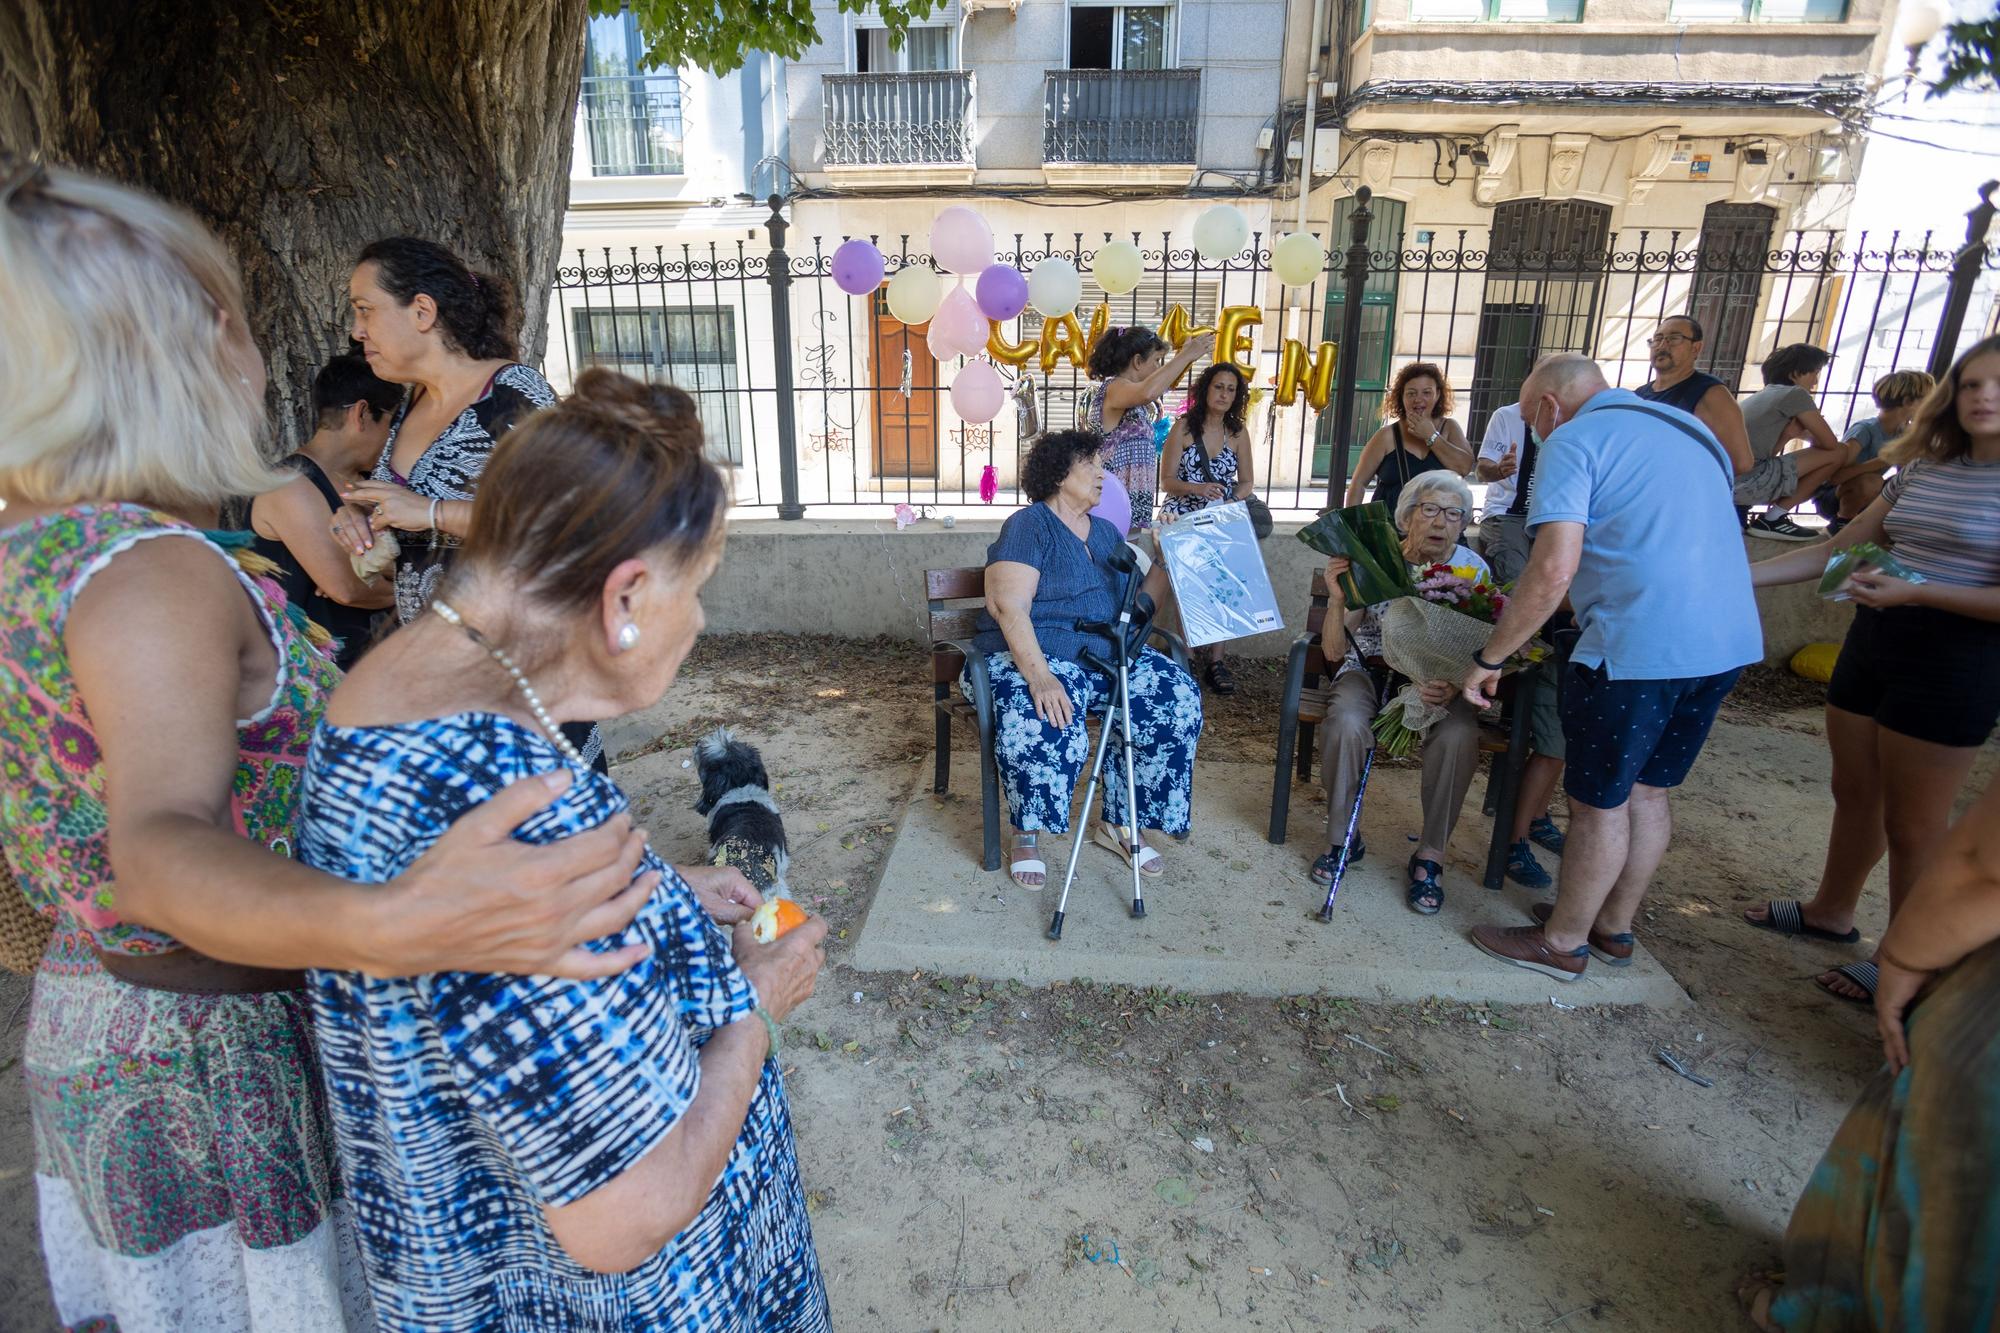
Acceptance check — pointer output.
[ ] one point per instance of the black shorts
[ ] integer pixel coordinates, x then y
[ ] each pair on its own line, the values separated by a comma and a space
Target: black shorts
1921, 672
1624, 732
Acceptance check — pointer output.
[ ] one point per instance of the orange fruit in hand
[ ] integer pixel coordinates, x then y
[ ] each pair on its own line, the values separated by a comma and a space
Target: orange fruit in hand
771, 921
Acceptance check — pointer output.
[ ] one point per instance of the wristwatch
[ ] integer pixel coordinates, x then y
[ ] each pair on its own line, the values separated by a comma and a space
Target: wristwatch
1485, 665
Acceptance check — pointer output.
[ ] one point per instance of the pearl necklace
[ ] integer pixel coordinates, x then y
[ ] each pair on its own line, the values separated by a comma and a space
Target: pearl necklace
533, 700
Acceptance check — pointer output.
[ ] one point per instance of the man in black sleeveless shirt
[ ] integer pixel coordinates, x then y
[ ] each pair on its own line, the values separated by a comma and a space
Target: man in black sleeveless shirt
1675, 346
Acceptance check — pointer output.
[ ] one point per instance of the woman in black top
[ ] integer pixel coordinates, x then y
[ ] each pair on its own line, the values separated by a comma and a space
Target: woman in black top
352, 408
1417, 435
426, 320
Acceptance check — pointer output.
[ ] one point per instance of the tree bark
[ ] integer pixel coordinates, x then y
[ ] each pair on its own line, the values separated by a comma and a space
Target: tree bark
302, 130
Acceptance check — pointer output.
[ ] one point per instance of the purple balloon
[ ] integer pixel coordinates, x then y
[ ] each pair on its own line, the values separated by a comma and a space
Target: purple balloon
857, 268
1114, 506
1002, 292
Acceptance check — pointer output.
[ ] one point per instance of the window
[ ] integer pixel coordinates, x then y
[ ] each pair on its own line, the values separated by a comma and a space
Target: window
1378, 318
1760, 11
690, 346
1728, 277
1543, 270
925, 48
1497, 11
632, 116
1121, 37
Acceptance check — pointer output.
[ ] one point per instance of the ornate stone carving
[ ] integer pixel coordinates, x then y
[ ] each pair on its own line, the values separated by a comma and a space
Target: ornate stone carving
1566, 152
1649, 160
1501, 143
1378, 165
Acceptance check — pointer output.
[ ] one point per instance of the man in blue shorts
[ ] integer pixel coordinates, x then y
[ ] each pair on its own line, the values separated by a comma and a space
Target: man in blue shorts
1633, 520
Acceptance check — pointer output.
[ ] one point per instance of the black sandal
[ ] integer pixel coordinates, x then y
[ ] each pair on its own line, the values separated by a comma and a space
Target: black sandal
1219, 679
1426, 893
1322, 868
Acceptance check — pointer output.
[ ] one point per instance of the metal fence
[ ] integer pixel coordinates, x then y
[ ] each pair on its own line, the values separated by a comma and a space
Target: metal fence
822, 400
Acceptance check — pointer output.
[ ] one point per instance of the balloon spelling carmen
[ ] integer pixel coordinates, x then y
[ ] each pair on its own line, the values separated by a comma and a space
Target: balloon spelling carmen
1064, 338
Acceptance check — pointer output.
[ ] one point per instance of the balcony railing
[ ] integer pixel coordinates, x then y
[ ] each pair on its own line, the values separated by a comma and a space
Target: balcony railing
1136, 116
634, 124
919, 119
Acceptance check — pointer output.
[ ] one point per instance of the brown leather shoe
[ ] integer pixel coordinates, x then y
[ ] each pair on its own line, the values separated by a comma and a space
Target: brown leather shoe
1527, 946
1610, 950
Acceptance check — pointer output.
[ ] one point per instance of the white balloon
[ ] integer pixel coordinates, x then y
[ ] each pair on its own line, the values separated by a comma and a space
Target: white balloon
1118, 267
1220, 233
1055, 287
914, 294
1298, 259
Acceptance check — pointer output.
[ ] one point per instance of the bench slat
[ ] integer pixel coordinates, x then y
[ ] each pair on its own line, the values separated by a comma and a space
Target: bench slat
952, 584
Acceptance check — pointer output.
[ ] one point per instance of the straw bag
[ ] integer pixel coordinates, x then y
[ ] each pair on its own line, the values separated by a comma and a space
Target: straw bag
24, 932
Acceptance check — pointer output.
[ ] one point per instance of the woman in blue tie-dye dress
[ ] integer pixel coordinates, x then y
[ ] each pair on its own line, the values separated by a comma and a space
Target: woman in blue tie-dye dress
527, 1153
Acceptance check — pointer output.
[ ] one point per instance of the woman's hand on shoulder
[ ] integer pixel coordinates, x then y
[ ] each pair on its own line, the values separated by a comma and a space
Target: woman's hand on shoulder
784, 971
480, 900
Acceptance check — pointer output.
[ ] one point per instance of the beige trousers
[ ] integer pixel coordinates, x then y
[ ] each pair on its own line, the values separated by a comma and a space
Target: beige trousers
1451, 757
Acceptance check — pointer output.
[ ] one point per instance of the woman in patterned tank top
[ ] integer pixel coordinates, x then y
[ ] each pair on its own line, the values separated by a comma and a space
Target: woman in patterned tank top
1916, 690
1135, 370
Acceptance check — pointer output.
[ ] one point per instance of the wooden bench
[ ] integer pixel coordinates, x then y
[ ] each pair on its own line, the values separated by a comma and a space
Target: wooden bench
955, 597
1308, 686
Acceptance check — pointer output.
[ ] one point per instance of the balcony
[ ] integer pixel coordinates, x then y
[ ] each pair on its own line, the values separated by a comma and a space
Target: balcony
633, 123
1121, 125
901, 129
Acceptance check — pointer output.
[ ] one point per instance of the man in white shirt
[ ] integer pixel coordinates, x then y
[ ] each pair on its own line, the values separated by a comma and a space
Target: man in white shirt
1503, 536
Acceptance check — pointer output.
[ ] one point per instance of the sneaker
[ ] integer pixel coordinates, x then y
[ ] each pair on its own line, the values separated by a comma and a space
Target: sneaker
1524, 869
1545, 835
1780, 527
1611, 950
1527, 946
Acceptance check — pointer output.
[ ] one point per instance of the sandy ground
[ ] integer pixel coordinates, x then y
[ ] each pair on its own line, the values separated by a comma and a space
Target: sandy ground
992, 1157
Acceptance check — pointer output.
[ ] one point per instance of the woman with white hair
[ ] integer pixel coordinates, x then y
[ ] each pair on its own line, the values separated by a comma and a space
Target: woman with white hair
157, 699
1431, 511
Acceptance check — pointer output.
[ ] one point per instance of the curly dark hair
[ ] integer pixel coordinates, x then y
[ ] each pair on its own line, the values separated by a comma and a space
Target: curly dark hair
478, 312
1392, 406
1794, 359
1052, 457
1120, 347
1197, 400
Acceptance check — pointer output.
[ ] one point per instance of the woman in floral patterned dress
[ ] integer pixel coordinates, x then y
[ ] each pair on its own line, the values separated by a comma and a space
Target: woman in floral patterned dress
156, 700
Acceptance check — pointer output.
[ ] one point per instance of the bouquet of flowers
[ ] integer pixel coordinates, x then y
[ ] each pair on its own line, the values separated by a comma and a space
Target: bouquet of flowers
1432, 636
1366, 536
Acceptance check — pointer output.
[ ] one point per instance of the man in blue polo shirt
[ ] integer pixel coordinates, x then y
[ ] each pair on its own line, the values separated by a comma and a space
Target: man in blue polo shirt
1634, 521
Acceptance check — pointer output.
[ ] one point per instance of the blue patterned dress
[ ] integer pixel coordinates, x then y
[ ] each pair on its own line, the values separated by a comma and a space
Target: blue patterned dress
464, 1103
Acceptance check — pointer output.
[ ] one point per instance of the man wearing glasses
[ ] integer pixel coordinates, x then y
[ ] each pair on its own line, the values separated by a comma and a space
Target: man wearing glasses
1675, 346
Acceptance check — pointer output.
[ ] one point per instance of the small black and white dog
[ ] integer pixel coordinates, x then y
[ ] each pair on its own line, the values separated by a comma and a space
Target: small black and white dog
745, 829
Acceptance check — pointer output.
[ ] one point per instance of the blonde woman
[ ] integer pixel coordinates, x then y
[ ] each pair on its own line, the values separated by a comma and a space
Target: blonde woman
156, 704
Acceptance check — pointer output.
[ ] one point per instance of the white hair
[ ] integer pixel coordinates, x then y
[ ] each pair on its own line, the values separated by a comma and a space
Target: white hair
1425, 484
122, 374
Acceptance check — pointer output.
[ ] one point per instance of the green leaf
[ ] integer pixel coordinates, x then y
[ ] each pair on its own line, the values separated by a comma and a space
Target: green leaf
717, 37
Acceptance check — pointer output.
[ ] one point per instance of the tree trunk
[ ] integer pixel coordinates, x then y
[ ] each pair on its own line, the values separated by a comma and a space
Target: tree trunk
303, 131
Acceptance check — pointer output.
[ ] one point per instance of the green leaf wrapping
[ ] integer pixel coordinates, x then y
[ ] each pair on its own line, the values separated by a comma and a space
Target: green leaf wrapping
1366, 536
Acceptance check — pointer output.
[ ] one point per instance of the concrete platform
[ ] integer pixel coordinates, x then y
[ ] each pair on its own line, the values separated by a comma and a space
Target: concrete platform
1232, 914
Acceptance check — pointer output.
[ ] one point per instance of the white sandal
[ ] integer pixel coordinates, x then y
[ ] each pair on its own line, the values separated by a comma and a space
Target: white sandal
1031, 865
1151, 865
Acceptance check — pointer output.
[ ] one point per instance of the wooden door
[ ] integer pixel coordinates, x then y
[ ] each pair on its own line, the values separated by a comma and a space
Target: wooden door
906, 429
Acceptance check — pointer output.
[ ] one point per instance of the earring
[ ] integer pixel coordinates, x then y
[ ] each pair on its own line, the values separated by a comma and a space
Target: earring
628, 637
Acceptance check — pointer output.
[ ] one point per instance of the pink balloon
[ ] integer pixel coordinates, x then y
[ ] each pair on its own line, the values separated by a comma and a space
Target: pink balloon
976, 393
961, 242
940, 343
1003, 292
958, 323
1114, 506
857, 268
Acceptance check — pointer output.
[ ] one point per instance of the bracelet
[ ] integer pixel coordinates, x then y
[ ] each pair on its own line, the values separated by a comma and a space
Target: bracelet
434, 515
1436, 435
1485, 665
770, 1027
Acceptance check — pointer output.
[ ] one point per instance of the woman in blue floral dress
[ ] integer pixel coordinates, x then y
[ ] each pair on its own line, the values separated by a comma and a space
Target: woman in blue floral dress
527, 1153
1046, 576
1134, 371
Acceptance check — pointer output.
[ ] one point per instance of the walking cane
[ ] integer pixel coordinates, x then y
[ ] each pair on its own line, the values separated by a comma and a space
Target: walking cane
1360, 790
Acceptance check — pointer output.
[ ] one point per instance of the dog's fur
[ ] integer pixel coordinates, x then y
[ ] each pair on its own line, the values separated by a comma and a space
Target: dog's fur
745, 829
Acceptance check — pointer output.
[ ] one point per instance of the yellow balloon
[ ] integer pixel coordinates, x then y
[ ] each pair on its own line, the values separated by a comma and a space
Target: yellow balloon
914, 294
1100, 322
1315, 377
1062, 339
1233, 337
1118, 267
1298, 259
1177, 328
1003, 352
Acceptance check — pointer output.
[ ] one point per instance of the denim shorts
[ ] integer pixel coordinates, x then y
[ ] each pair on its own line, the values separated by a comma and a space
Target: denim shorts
1622, 732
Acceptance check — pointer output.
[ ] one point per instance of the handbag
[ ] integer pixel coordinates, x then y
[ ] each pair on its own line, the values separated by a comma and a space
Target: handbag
24, 932
1260, 513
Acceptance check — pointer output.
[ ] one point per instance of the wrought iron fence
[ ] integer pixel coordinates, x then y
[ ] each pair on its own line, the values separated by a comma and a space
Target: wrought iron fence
822, 400
633, 123
1125, 116
896, 119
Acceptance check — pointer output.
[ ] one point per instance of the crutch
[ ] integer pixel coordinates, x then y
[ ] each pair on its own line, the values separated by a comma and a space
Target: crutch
1360, 789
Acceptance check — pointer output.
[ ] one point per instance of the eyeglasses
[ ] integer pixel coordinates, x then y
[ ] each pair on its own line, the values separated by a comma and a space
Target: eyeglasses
1429, 510
1667, 339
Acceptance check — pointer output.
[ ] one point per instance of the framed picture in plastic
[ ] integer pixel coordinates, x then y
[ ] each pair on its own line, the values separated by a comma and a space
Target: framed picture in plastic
1218, 574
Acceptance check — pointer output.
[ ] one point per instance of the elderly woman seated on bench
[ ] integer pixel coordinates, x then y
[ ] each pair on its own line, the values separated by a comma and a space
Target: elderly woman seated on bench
1047, 575
1431, 512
